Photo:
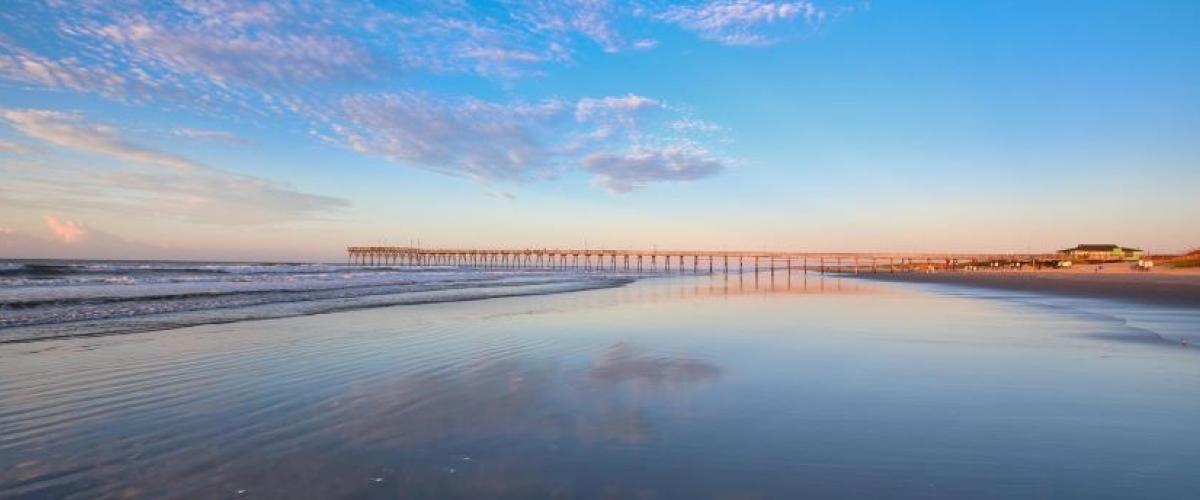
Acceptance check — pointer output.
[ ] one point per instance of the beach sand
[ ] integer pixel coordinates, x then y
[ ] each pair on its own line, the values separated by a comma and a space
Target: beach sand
1162, 287
670, 387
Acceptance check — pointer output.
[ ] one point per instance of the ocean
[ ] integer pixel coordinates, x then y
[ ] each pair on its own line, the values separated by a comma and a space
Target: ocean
44, 299
486, 384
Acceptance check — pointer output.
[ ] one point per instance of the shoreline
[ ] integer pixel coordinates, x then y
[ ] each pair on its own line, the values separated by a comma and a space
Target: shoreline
121, 325
1177, 289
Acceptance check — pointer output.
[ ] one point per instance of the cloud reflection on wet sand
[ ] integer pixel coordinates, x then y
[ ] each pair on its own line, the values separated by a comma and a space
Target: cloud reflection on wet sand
484, 428
663, 389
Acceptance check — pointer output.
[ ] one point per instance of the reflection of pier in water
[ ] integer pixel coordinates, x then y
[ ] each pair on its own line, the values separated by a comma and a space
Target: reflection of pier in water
717, 286
684, 261
780, 283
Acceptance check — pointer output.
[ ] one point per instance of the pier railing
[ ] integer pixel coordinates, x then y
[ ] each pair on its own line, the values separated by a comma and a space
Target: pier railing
696, 261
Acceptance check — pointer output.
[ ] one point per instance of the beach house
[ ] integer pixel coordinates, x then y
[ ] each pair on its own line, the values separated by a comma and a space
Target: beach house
1100, 253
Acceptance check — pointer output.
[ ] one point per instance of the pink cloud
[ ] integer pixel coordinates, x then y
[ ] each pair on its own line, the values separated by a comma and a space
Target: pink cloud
65, 230
68, 239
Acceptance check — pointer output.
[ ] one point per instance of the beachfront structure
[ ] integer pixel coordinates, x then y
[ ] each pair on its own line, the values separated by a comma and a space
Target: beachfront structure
694, 261
1100, 253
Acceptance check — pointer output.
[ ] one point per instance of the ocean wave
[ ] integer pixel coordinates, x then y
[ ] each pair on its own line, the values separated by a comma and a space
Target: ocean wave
53, 273
119, 297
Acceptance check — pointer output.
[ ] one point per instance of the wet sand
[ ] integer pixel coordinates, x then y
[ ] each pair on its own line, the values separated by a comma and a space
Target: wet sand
804, 386
1169, 288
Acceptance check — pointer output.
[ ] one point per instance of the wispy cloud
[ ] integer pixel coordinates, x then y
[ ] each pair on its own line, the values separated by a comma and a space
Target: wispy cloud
209, 135
231, 56
313, 63
207, 52
592, 19
501, 195
521, 141
645, 44
69, 131
14, 147
621, 108
742, 22
612, 117
695, 124
237, 12
188, 190
26, 67
269, 46
472, 138
625, 171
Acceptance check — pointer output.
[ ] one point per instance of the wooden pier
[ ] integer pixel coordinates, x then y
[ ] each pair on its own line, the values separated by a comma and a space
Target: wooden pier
693, 261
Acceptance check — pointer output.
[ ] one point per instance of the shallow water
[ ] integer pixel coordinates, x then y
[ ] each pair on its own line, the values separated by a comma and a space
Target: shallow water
685, 387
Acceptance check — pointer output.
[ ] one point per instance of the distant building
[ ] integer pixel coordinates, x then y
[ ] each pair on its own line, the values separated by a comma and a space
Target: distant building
1100, 253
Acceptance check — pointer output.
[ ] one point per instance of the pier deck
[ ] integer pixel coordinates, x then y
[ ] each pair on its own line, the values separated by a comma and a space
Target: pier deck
634, 260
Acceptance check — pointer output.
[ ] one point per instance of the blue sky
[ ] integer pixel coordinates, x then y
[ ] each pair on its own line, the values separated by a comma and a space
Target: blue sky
242, 129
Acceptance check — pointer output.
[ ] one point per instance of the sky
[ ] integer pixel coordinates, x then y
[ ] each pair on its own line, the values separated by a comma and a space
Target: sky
281, 130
